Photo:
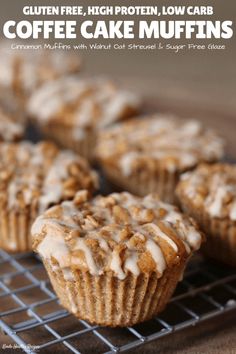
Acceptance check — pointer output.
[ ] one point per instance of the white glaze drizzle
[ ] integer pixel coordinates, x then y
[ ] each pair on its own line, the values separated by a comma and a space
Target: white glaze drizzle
131, 264
80, 245
54, 246
88, 95
52, 189
217, 202
219, 183
157, 255
175, 143
186, 232
35, 173
162, 235
115, 265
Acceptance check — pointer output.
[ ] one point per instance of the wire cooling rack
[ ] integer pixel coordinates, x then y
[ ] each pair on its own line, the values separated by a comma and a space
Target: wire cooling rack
32, 316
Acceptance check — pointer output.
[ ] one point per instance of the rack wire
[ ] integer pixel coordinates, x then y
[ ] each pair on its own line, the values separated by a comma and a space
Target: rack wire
32, 316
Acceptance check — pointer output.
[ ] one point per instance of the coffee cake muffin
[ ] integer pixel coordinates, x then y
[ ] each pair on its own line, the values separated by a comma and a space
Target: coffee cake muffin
208, 194
12, 119
23, 71
148, 155
114, 260
32, 178
71, 110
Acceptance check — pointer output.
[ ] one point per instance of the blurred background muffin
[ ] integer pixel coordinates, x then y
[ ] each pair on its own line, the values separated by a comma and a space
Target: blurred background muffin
72, 110
12, 119
22, 71
149, 154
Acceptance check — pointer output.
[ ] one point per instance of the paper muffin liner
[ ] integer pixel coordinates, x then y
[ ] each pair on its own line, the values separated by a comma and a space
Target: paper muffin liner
105, 300
141, 183
220, 234
15, 230
63, 136
221, 240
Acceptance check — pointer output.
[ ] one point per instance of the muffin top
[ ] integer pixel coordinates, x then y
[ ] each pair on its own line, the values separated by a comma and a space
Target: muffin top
40, 175
158, 142
119, 233
27, 69
83, 103
211, 187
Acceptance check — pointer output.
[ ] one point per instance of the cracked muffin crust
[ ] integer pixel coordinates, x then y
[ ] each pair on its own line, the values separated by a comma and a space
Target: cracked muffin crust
100, 251
148, 155
32, 178
71, 110
208, 194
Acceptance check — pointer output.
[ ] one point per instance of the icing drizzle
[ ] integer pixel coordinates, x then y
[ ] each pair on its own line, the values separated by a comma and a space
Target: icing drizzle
93, 103
158, 140
41, 175
115, 233
213, 187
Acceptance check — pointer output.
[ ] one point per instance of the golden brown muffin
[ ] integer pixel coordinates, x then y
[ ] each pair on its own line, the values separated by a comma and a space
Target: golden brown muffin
22, 71
208, 194
114, 260
71, 110
32, 178
149, 154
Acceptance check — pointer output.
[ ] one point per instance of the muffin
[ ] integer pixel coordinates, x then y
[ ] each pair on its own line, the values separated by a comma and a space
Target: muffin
71, 110
12, 120
24, 70
208, 194
114, 260
33, 178
148, 155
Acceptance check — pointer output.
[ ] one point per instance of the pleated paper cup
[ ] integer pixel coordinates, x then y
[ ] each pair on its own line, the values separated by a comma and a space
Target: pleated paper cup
108, 301
15, 230
65, 137
141, 184
220, 233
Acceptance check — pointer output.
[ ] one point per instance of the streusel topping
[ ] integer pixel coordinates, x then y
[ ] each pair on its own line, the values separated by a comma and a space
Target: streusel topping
40, 175
82, 102
119, 233
158, 141
212, 187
